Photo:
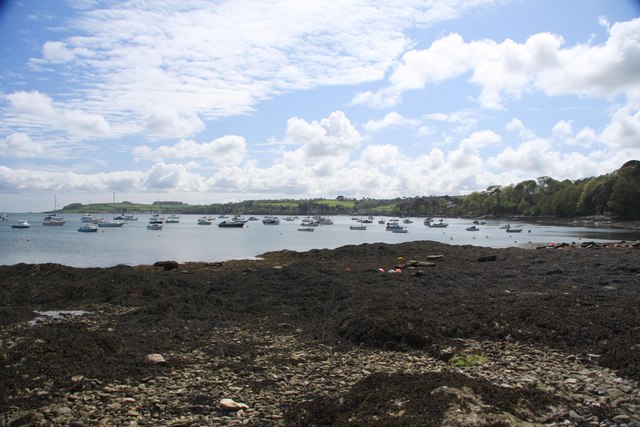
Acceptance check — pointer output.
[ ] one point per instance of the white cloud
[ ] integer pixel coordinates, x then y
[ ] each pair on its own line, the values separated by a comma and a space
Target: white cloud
392, 119
35, 108
21, 145
56, 52
325, 145
229, 149
380, 155
167, 123
505, 70
623, 131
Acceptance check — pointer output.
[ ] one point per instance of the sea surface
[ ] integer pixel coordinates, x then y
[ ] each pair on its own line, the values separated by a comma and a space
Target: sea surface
133, 244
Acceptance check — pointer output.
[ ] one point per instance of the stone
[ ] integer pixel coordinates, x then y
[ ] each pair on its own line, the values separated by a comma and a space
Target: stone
232, 405
167, 265
155, 359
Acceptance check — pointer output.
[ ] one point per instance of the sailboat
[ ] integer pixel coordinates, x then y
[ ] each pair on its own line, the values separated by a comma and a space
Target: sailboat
53, 218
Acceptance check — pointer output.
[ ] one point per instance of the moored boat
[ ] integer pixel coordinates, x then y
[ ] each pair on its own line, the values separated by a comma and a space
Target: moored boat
357, 227
472, 228
203, 220
230, 223
88, 228
53, 220
154, 226
21, 224
270, 220
111, 223
306, 229
173, 219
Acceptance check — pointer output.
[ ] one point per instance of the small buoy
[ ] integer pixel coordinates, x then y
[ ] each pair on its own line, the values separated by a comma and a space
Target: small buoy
397, 270
381, 270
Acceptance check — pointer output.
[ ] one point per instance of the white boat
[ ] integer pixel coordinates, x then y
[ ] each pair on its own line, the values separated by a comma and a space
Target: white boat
399, 230
270, 220
5, 217
130, 217
111, 223
203, 220
393, 225
407, 221
173, 219
511, 229
156, 219
21, 224
154, 226
53, 220
324, 221
88, 228
87, 218
440, 224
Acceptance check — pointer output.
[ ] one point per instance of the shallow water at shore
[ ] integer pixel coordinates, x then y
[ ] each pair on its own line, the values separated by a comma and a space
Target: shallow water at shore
133, 244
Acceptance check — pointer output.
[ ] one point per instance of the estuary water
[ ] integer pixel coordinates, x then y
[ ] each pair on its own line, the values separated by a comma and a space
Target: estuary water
185, 241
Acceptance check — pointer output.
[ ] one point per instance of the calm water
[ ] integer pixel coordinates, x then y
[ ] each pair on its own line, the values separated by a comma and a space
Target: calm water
133, 244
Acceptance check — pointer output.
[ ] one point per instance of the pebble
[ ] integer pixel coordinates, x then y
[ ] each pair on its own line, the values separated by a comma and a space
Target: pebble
283, 370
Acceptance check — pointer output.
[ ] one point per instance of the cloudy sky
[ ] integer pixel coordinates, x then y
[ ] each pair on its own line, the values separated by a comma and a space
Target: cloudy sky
210, 101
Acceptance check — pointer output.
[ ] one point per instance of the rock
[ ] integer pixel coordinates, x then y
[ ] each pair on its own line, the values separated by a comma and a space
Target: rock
488, 258
435, 257
232, 405
155, 359
167, 265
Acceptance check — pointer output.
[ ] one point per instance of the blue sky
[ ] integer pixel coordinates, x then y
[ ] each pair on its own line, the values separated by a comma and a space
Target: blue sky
215, 101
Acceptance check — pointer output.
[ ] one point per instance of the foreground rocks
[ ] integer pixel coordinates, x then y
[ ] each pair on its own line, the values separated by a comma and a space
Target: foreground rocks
542, 337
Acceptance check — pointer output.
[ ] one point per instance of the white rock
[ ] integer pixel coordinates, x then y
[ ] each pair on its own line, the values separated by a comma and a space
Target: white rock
232, 405
155, 358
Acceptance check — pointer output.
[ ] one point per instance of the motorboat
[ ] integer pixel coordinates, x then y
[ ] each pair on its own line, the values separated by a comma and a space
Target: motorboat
173, 219
357, 227
231, 223
88, 218
154, 226
114, 223
156, 219
472, 228
203, 220
306, 229
324, 221
88, 228
400, 229
270, 220
21, 224
440, 224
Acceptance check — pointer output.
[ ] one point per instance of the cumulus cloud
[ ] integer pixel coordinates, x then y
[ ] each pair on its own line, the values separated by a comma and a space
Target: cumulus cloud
506, 70
326, 144
167, 123
21, 145
229, 149
37, 108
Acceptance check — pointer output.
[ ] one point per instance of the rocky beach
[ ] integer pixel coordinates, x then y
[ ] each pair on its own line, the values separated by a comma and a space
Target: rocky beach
417, 333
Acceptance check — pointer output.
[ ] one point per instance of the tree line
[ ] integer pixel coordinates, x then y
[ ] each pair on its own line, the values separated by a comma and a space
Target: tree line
615, 194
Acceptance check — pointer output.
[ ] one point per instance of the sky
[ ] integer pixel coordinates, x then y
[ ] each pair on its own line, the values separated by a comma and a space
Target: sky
222, 101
